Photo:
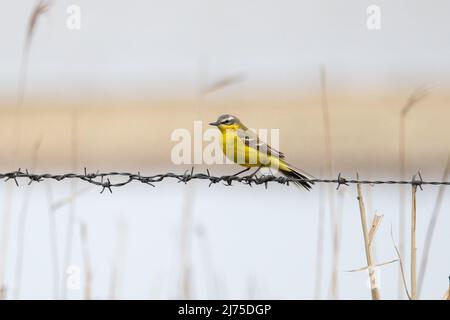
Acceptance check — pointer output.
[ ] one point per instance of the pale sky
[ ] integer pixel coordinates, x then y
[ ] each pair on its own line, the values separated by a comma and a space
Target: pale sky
166, 46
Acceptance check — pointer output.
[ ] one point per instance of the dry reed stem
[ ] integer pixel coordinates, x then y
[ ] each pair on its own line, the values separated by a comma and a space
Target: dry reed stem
72, 205
448, 291
112, 291
208, 261
326, 119
337, 227
53, 206
367, 245
87, 262
418, 95
401, 195
328, 171
185, 245
222, 83
117, 269
319, 250
447, 294
53, 241
413, 244
56, 205
430, 229
5, 223
40, 8
402, 269
22, 226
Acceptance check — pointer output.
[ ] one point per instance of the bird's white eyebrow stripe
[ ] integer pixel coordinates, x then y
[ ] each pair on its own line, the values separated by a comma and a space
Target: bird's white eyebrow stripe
227, 119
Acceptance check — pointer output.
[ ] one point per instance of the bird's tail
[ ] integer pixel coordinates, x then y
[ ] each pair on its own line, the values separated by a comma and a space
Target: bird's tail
292, 172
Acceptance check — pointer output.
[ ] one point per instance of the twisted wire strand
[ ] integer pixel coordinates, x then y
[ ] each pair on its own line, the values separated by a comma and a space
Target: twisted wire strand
102, 179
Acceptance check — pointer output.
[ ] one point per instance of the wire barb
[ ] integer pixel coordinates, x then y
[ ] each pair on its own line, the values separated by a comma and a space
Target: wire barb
417, 182
341, 181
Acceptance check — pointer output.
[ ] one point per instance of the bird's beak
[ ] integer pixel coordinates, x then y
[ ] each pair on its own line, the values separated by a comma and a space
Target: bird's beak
214, 124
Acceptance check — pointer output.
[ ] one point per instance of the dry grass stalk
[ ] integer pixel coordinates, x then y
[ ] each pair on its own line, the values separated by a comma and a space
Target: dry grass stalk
377, 265
118, 262
112, 294
72, 205
431, 227
337, 227
55, 205
447, 293
326, 119
319, 250
402, 269
53, 241
222, 83
39, 9
418, 95
87, 262
413, 244
210, 273
185, 245
5, 223
367, 245
331, 194
22, 225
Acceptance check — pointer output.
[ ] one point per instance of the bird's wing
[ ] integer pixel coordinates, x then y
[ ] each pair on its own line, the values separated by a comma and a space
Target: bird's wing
252, 140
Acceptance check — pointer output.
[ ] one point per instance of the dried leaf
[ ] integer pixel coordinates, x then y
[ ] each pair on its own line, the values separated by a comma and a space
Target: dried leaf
378, 265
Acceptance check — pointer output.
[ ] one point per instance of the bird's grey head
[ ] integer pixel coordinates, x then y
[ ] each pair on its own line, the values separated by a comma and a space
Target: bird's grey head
226, 119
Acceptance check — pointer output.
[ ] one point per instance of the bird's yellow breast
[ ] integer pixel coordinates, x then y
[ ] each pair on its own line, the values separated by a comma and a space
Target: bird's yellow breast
237, 151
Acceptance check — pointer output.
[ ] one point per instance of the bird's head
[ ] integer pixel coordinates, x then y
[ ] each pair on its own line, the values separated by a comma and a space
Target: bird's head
228, 122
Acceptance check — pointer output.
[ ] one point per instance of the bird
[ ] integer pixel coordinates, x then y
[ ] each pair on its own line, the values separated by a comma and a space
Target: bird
244, 147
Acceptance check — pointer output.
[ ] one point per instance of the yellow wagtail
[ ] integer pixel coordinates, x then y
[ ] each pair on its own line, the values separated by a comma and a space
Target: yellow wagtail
244, 147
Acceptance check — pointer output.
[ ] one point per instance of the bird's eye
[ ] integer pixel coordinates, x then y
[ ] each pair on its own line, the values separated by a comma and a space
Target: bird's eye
227, 122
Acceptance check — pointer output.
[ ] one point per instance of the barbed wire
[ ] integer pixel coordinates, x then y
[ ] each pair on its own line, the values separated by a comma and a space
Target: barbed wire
102, 179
